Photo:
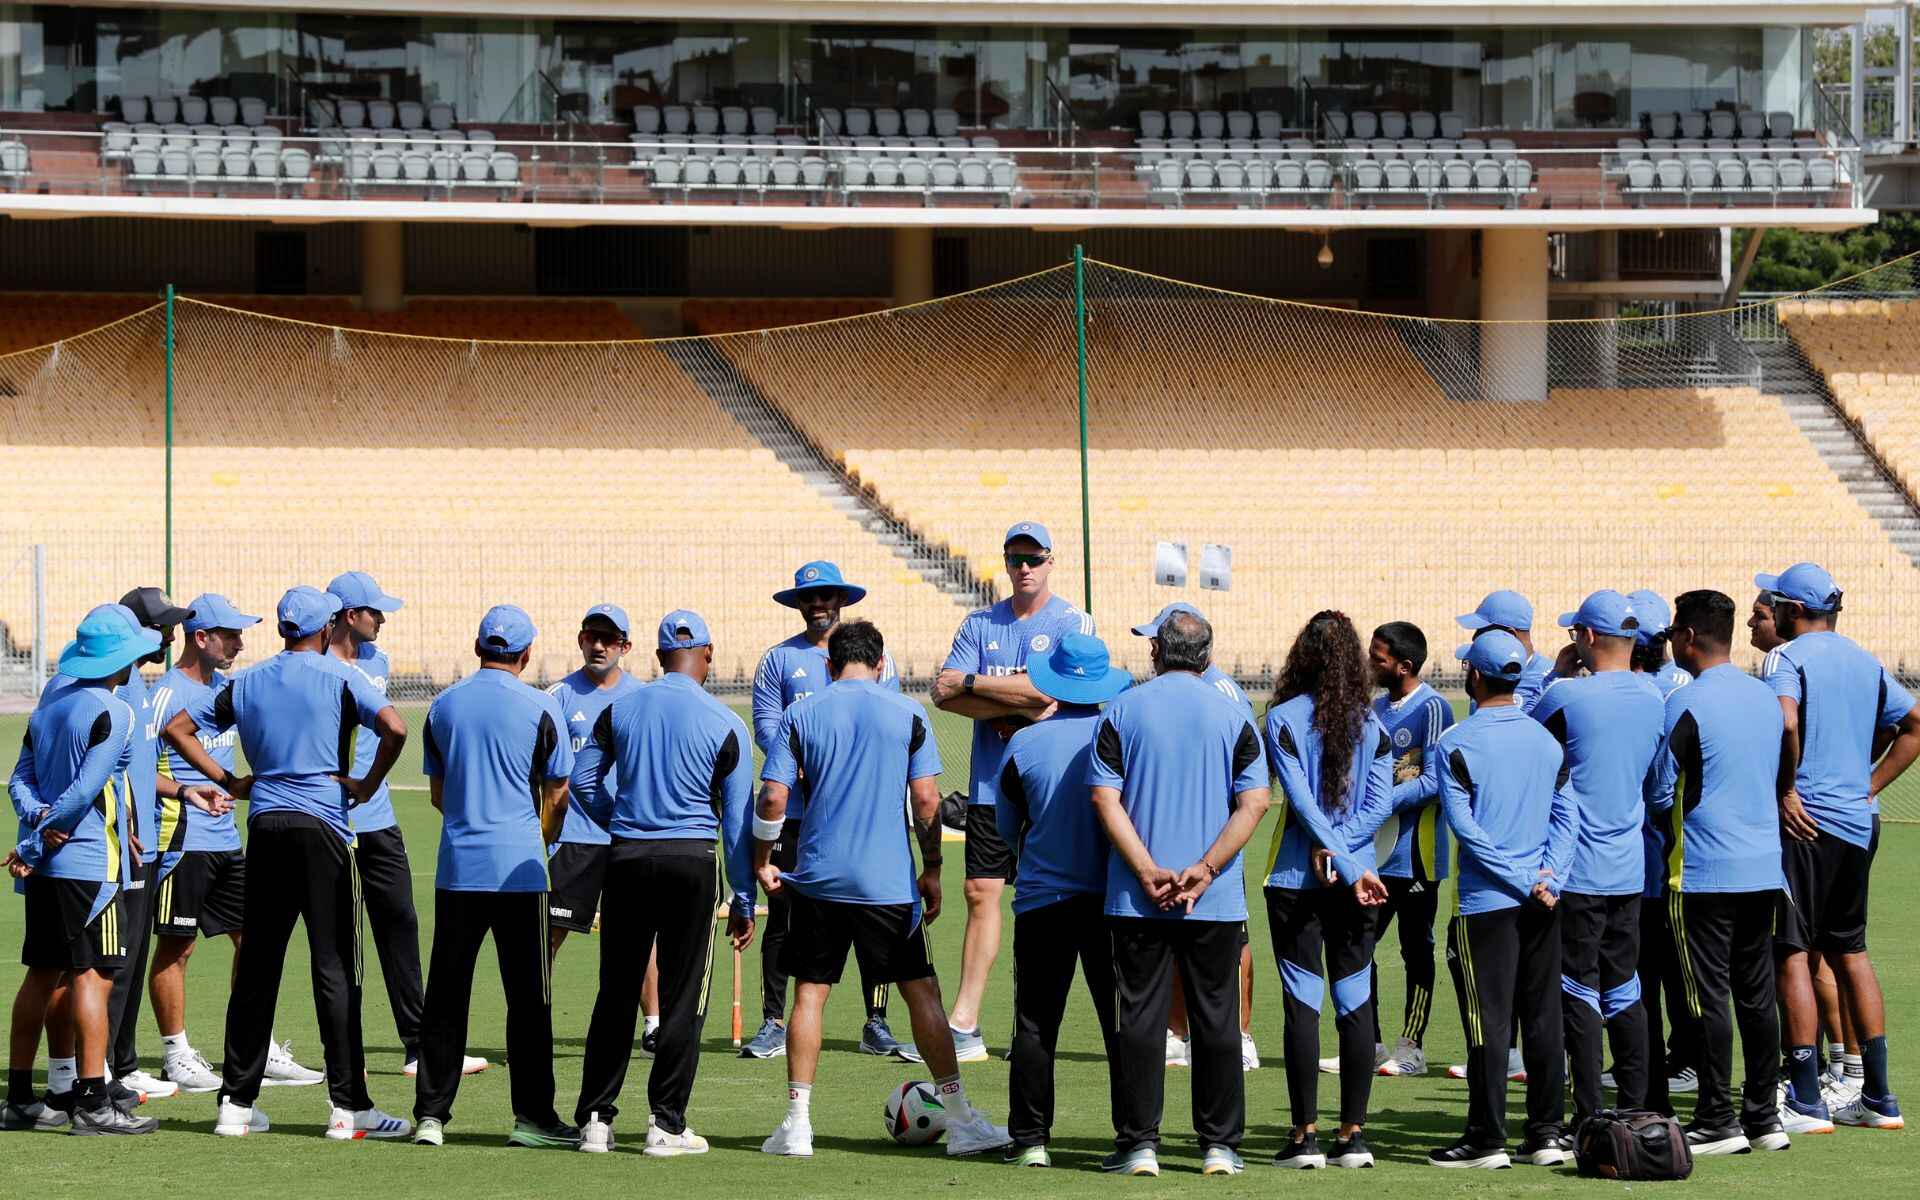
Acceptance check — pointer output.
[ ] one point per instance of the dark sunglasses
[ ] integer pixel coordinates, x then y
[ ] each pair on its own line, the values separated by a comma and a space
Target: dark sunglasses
1027, 560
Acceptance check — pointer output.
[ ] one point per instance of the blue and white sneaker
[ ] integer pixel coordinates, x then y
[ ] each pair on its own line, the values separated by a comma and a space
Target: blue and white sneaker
347, 1126
769, 1042
1865, 1112
969, 1045
877, 1039
1796, 1117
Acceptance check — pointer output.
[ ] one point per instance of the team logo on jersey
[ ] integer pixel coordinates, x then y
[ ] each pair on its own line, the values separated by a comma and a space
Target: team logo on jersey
1402, 738
579, 716
799, 673
1040, 643
993, 645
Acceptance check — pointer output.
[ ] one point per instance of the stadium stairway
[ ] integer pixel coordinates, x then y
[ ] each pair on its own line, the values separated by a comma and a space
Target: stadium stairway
707, 364
1801, 390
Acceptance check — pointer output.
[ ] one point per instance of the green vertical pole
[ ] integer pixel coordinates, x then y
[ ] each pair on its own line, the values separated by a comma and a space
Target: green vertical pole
169, 354
1086, 505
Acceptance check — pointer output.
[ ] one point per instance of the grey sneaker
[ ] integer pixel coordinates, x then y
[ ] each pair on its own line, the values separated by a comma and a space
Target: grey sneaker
110, 1121
15, 1118
1028, 1156
538, 1136
876, 1038
969, 1045
1406, 1059
769, 1042
1222, 1160
1141, 1160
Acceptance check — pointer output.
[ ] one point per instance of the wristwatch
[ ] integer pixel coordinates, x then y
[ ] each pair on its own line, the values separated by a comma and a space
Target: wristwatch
966, 685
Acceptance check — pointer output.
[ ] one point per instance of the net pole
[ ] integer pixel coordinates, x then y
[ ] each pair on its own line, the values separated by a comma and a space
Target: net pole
39, 617
1086, 503
169, 436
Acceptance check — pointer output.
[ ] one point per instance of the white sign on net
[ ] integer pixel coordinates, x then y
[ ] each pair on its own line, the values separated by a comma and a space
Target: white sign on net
1216, 567
1170, 564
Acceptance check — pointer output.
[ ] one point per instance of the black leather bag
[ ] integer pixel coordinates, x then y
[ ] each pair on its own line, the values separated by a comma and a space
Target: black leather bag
1632, 1144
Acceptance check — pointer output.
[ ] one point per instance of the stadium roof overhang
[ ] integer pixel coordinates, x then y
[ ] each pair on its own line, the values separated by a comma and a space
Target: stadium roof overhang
1352, 13
202, 208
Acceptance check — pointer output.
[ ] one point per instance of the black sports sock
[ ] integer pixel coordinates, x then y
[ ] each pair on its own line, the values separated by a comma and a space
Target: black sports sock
20, 1087
90, 1093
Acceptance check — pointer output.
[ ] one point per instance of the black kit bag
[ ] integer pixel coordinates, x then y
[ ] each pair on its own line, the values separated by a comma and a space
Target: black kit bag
1632, 1144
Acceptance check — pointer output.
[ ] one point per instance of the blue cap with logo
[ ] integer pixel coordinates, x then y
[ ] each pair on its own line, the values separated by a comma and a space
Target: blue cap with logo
1652, 613
108, 638
506, 629
1078, 671
1806, 584
815, 576
1606, 613
1496, 655
211, 610
1032, 530
683, 629
612, 614
1152, 628
357, 589
1506, 609
305, 611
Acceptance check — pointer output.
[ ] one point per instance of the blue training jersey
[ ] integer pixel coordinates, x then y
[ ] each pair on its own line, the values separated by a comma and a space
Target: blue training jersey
1610, 726
176, 691
143, 765
686, 772
1228, 687
1500, 776
991, 641
1178, 758
1713, 793
1295, 755
790, 671
859, 747
1044, 812
1413, 725
1670, 678
298, 714
377, 813
72, 777
1844, 696
590, 796
493, 742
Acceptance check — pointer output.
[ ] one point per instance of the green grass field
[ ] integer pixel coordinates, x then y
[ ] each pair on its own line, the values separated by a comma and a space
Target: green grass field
736, 1102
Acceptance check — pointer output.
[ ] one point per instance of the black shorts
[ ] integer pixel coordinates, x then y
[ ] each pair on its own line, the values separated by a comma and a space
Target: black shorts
987, 854
204, 894
60, 936
575, 875
890, 940
1824, 906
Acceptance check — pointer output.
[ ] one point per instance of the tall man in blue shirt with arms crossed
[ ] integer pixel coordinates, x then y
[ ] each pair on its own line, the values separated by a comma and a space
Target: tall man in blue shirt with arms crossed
1837, 703
985, 679
297, 714
790, 672
1177, 777
686, 782
861, 749
497, 760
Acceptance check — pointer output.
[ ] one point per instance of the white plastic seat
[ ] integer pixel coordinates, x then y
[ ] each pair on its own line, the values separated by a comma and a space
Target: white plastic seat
353, 114
1399, 175
753, 172
452, 137
1721, 123
785, 172
946, 122
206, 137
973, 173
145, 160
697, 170
1337, 123
885, 172
1211, 124
1663, 125
296, 164
1779, 124
411, 114
440, 116
854, 172
859, 122
1701, 177
504, 166
193, 110
266, 163
482, 138
1212, 148
1753, 124
831, 121
1457, 174
944, 173
726, 170
1822, 174
1640, 174
176, 137
733, 120
1519, 174
116, 139
1200, 174
1693, 124
1393, 124
914, 172
1793, 173
166, 110
473, 168
1365, 125
1003, 173
205, 164
1422, 125
1453, 125
386, 164
1289, 175
677, 118
234, 164
444, 166
253, 110
1230, 173
1487, 175
1239, 123
1267, 123
762, 119
917, 122
1368, 175
1671, 174
176, 162
706, 119
1762, 174
380, 114
1259, 174
886, 122
416, 165
134, 109
1181, 124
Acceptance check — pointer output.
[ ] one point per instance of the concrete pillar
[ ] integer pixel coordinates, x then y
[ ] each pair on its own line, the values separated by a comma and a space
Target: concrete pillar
1902, 79
383, 266
1513, 287
912, 265
1857, 90
1606, 269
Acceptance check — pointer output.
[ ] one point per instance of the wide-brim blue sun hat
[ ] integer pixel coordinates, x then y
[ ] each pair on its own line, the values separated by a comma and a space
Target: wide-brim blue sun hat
819, 576
104, 643
1077, 673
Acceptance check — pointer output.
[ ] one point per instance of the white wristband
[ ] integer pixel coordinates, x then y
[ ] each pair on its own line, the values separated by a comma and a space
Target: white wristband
765, 830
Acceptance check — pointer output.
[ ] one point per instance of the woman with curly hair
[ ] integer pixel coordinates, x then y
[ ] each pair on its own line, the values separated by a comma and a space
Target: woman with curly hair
1334, 764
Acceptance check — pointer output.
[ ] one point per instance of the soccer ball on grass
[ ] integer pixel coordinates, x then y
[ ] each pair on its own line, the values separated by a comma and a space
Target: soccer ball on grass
914, 1114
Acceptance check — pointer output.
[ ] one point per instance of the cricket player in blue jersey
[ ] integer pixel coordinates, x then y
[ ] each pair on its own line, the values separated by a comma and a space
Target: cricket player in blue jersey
497, 760
984, 679
1510, 611
1060, 881
789, 672
1609, 723
1713, 802
1501, 784
297, 715
1838, 705
871, 765
685, 765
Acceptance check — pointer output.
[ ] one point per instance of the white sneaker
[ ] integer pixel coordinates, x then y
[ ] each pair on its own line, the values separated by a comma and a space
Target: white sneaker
596, 1136
1516, 1067
469, 1065
1331, 1064
190, 1070
237, 1120
974, 1133
148, 1086
1457, 1071
661, 1144
1838, 1094
794, 1138
430, 1133
1249, 1053
1177, 1052
1685, 1082
1406, 1059
282, 1071
345, 1126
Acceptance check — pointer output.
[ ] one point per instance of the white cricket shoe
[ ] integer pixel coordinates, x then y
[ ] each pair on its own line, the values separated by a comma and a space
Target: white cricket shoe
794, 1138
346, 1126
238, 1120
1331, 1064
282, 1071
1406, 1059
1249, 1053
661, 1144
1178, 1053
469, 1065
973, 1134
596, 1136
190, 1070
148, 1086
1516, 1069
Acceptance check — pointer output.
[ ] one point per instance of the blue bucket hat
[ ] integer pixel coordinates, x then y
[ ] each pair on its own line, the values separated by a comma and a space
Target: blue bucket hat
1078, 671
815, 576
105, 641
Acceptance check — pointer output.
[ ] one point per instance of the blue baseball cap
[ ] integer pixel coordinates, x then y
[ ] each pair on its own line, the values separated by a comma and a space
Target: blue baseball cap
1652, 612
1606, 613
613, 614
1806, 584
305, 611
683, 629
816, 576
1496, 654
108, 638
1152, 628
506, 629
1507, 609
1029, 529
1078, 671
211, 610
357, 589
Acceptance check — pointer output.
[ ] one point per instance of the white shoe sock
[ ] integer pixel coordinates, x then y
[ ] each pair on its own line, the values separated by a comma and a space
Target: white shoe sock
800, 1101
652, 1024
953, 1094
174, 1043
61, 1075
